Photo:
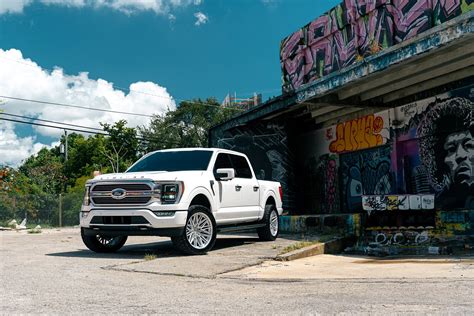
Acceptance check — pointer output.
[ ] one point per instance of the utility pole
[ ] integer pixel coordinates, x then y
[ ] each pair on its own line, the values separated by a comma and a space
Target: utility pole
60, 210
65, 147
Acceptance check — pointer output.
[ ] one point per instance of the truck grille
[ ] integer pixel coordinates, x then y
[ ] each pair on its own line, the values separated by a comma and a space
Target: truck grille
119, 220
116, 194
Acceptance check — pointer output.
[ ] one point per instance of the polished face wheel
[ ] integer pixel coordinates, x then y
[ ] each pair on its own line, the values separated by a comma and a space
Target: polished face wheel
274, 223
199, 230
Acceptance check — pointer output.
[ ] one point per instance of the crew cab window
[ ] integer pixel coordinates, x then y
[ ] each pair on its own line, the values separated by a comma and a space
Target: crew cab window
241, 166
222, 161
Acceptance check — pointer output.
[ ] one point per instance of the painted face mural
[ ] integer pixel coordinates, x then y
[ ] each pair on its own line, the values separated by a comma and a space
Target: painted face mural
447, 150
459, 158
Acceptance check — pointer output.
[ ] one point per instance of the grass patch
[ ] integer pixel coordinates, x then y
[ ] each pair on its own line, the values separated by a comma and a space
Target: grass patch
299, 245
34, 231
149, 256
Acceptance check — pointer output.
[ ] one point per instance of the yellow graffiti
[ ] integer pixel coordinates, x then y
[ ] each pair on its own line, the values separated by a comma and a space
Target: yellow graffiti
358, 134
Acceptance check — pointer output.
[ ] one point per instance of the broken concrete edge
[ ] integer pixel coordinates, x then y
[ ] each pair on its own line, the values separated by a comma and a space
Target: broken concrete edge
333, 246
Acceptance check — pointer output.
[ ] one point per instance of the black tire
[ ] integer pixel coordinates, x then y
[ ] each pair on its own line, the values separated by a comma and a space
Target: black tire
266, 233
102, 244
189, 245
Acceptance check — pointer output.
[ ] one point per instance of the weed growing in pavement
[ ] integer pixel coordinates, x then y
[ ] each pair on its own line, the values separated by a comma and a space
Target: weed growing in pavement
149, 256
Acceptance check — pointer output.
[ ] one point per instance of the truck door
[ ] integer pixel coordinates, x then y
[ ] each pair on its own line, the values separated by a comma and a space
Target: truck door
249, 187
228, 195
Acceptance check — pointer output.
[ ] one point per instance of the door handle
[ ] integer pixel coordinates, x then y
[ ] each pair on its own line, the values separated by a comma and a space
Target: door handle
238, 187
255, 188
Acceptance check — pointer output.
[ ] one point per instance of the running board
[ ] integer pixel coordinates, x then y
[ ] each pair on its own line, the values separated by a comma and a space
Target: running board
236, 228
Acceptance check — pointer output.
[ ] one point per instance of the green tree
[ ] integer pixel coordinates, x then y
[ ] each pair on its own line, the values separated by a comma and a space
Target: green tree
187, 126
121, 147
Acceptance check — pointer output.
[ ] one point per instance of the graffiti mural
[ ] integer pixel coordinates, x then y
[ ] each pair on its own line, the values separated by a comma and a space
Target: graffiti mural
361, 133
366, 172
267, 150
327, 183
444, 10
410, 17
356, 29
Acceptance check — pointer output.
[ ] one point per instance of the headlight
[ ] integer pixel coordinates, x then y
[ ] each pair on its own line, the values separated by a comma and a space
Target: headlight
87, 199
168, 193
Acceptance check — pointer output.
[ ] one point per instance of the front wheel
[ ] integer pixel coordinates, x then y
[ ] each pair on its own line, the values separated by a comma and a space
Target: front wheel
99, 243
271, 229
199, 234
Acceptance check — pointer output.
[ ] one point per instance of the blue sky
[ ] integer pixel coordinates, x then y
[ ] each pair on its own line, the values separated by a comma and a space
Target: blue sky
235, 48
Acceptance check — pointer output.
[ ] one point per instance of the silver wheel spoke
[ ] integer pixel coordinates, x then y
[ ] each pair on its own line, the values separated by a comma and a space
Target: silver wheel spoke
199, 230
273, 223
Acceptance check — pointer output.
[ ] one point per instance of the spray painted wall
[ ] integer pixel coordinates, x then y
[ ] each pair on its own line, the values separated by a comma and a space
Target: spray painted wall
267, 149
356, 29
425, 147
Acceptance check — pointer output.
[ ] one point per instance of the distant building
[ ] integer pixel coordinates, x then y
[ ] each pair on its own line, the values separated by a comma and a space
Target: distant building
246, 103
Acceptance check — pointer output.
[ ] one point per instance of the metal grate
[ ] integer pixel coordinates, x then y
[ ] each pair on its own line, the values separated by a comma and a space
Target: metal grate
119, 220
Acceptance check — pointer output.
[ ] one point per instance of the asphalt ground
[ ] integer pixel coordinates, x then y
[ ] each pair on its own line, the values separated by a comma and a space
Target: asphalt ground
54, 273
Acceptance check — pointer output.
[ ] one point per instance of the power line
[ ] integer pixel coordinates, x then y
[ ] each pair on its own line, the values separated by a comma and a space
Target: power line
52, 126
143, 139
73, 106
48, 121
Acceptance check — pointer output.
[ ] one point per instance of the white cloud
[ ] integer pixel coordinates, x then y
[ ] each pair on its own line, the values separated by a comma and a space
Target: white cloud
124, 6
15, 149
23, 78
201, 18
13, 6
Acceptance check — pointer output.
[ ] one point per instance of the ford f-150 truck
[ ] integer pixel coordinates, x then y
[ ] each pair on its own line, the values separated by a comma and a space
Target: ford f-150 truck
187, 194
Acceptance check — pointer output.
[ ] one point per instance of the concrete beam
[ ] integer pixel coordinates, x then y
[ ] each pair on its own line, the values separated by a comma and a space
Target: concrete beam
335, 114
428, 84
433, 72
418, 64
323, 110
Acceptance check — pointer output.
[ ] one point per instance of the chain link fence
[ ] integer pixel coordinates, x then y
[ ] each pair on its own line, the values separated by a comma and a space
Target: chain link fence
42, 209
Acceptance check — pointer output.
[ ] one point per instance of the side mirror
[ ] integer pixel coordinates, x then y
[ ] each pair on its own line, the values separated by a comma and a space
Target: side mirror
225, 174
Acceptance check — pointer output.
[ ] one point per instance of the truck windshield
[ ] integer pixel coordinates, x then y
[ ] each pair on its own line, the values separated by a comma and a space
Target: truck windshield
174, 161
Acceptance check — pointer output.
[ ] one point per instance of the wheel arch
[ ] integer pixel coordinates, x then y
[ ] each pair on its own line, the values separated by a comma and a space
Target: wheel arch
201, 196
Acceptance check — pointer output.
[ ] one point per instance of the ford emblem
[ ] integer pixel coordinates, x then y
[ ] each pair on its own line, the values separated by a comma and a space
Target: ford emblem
119, 194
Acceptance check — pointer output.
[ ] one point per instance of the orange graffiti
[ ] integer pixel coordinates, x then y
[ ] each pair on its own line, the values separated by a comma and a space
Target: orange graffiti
358, 134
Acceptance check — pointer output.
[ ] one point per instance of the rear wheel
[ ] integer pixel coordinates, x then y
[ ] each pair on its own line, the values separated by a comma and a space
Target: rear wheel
99, 243
199, 234
271, 229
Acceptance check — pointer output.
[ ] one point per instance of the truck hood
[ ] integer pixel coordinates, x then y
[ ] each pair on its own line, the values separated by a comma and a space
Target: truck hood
152, 175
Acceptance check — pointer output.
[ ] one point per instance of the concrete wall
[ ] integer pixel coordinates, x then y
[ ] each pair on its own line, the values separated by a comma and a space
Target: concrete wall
356, 29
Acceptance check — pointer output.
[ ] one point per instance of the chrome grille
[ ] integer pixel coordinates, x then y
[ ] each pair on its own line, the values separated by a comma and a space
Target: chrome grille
132, 193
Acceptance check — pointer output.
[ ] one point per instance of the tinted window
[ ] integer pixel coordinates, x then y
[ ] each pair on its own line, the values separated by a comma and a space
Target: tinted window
222, 161
242, 168
174, 161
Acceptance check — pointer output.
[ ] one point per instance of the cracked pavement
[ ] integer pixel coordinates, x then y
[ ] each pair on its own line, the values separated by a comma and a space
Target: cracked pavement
54, 273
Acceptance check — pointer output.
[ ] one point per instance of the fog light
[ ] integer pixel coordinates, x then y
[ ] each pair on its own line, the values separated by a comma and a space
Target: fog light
162, 214
84, 214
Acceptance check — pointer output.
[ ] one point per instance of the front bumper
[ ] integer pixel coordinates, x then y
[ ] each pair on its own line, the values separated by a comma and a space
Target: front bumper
138, 221
132, 231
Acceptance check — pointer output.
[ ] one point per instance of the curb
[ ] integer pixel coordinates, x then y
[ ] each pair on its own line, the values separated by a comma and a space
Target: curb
330, 247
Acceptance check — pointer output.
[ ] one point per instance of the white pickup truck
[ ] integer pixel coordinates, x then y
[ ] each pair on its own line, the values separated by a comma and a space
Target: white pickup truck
187, 194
